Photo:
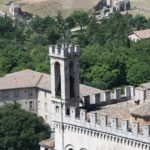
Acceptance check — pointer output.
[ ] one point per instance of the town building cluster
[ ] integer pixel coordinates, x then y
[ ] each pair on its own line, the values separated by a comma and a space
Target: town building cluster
15, 12
105, 8
82, 117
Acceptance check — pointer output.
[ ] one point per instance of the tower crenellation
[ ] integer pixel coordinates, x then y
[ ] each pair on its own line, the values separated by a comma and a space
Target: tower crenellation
64, 71
64, 50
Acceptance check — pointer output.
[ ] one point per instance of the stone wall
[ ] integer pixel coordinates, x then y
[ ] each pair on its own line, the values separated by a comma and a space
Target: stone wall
44, 105
90, 134
27, 97
85, 131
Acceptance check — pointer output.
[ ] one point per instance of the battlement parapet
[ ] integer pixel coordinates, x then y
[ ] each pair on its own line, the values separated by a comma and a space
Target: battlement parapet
109, 125
109, 96
64, 50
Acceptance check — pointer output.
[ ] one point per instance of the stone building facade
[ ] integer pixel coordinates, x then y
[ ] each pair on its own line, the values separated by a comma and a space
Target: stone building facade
121, 5
83, 117
140, 35
107, 127
33, 91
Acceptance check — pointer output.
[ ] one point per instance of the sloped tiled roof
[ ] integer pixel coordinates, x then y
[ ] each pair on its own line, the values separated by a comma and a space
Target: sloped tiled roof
118, 110
143, 34
23, 79
88, 90
145, 85
29, 78
142, 110
49, 143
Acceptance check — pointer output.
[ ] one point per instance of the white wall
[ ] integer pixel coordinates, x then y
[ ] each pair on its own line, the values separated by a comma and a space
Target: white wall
79, 141
42, 148
45, 105
140, 95
133, 37
25, 95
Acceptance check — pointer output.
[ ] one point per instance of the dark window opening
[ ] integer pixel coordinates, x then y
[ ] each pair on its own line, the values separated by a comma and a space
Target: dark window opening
57, 80
72, 93
72, 80
57, 109
68, 111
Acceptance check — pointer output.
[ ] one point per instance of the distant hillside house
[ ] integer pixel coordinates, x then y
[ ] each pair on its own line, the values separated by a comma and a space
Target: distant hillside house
15, 12
140, 35
121, 5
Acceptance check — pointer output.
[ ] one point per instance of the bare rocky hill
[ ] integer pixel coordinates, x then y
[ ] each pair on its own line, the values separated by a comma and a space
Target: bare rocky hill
52, 7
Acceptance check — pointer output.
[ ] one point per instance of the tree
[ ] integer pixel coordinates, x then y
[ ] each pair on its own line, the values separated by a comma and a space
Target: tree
81, 18
6, 27
53, 35
39, 25
139, 22
101, 68
69, 21
95, 33
21, 130
138, 72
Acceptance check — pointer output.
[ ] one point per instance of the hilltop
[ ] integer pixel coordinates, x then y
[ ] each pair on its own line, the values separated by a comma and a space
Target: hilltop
52, 7
142, 7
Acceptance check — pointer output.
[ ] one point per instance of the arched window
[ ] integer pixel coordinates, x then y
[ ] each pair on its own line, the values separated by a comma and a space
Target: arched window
72, 80
57, 109
57, 79
69, 147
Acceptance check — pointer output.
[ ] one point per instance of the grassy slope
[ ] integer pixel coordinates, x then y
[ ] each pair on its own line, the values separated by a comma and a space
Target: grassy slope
51, 7
142, 4
2, 6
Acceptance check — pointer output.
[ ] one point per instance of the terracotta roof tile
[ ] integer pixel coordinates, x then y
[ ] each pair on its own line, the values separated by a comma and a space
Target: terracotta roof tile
143, 34
142, 110
49, 143
30, 78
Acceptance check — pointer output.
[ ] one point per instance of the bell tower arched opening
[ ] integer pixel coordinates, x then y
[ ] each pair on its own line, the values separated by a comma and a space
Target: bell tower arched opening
72, 79
57, 79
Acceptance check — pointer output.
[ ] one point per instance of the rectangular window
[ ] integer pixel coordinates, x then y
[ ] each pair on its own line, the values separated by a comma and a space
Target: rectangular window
16, 93
45, 94
30, 93
30, 104
5, 94
46, 108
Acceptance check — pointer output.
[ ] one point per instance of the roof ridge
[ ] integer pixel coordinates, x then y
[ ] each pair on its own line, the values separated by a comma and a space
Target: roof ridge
39, 80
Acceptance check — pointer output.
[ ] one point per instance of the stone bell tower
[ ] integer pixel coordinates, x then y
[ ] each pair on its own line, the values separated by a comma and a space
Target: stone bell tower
64, 61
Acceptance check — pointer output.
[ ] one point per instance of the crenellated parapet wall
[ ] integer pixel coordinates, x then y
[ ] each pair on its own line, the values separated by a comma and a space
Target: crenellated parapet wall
63, 50
101, 136
112, 126
110, 96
